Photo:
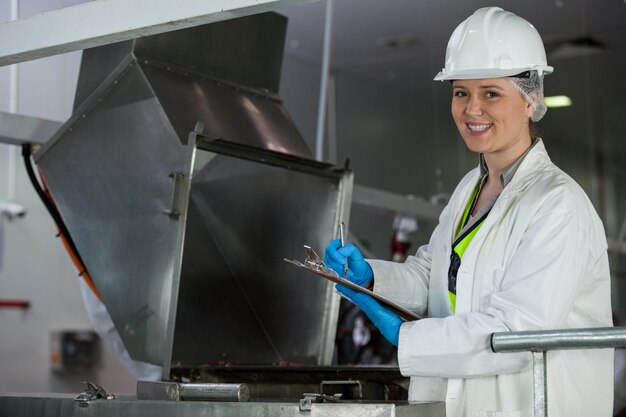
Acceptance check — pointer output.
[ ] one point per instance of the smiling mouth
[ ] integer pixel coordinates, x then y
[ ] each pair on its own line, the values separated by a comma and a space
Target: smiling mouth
478, 127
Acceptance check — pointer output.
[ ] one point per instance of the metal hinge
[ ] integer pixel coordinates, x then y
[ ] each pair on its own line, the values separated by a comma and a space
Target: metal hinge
175, 211
92, 392
310, 398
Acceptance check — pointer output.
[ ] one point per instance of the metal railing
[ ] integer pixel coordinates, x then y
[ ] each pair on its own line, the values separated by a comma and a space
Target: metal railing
539, 342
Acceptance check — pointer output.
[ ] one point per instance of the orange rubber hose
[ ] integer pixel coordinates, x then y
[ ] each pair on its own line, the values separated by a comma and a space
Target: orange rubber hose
82, 271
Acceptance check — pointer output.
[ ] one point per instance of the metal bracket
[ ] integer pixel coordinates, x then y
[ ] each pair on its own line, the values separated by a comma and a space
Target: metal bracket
310, 398
179, 178
197, 130
92, 392
352, 388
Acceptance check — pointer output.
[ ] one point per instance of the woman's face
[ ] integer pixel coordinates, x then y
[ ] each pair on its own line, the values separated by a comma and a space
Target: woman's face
492, 117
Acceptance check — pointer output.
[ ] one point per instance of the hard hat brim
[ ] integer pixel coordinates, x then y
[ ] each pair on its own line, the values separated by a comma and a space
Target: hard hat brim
481, 73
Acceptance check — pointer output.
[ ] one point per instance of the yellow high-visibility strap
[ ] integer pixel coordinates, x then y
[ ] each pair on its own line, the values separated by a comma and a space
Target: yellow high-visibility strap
460, 247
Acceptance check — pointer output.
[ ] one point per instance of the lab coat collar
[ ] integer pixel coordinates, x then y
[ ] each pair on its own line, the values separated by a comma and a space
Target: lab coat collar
507, 174
533, 163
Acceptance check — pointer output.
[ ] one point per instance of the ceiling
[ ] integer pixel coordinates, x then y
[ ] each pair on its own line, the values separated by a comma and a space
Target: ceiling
402, 42
365, 31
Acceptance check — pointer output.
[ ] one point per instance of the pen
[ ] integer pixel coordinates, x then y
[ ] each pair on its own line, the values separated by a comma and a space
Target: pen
342, 233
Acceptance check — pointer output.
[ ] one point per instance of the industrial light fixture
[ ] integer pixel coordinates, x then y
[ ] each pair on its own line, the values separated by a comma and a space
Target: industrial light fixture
401, 41
557, 101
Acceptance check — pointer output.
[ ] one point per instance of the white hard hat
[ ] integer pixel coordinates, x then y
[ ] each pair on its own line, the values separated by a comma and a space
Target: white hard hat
493, 43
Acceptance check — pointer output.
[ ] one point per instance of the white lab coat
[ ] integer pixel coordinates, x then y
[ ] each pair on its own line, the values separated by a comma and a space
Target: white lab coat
539, 261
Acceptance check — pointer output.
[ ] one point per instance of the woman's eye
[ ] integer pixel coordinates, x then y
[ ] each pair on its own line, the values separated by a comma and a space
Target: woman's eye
460, 94
491, 94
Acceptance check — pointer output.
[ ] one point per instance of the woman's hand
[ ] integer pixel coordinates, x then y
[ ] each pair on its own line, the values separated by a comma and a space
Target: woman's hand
336, 256
385, 320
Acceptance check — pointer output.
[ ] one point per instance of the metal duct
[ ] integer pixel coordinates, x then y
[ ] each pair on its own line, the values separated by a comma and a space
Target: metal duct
225, 75
184, 184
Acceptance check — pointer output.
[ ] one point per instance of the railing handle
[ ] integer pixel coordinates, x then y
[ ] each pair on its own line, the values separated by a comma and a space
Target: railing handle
544, 340
539, 342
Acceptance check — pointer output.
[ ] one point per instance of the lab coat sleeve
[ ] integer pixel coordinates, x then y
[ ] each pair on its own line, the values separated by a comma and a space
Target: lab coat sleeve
537, 291
406, 284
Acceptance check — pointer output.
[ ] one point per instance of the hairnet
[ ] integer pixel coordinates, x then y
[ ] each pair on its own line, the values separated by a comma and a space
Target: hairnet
530, 84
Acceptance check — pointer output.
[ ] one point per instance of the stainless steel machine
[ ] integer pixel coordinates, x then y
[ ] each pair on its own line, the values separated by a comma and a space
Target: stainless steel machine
184, 183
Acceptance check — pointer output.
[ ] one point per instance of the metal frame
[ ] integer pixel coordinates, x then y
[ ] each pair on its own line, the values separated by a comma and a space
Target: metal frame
323, 102
102, 22
16, 129
539, 342
62, 406
396, 203
299, 164
87, 105
243, 151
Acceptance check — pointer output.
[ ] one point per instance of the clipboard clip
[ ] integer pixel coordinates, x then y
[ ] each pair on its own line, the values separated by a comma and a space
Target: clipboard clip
313, 262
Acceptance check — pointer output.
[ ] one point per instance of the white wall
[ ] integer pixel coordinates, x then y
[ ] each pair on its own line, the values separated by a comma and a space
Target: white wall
36, 267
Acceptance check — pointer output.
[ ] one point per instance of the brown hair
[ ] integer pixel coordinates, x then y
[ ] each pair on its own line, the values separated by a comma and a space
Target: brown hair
535, 131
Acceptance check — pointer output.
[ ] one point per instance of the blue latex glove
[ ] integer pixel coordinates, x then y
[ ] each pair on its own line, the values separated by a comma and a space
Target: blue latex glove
335, 256
384, 319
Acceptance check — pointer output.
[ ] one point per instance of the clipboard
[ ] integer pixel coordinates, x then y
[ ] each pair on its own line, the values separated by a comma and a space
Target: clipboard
315, 265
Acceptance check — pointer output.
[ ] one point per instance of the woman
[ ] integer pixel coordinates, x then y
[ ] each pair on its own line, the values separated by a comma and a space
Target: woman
519, 247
